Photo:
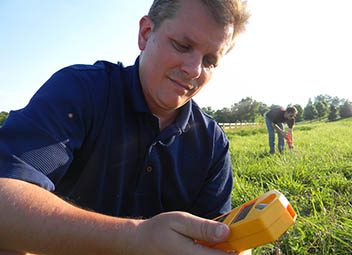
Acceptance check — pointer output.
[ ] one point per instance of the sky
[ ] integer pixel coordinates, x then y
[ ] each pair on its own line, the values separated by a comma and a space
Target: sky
292, 50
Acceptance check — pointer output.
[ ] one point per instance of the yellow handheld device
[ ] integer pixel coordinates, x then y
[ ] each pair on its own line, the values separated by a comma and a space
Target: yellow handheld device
257, 222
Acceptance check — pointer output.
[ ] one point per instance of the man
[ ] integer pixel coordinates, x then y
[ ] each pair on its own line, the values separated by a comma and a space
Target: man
137, 159
274, 119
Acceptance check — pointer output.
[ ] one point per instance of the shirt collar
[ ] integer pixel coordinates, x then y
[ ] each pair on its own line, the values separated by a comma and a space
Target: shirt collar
140, 105
183, 119
136, 91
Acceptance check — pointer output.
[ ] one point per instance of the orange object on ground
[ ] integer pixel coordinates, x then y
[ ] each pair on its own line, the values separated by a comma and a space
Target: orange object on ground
289, 140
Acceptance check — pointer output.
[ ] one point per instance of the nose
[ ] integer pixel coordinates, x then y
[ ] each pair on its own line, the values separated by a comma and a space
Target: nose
192, 67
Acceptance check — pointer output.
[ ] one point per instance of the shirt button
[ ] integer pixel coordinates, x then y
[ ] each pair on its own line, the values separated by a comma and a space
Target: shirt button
149, 169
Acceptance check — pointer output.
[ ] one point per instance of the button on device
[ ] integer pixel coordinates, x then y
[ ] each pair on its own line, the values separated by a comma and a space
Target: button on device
149, 169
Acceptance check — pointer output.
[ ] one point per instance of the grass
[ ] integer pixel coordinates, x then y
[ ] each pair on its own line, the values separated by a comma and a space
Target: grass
316, 177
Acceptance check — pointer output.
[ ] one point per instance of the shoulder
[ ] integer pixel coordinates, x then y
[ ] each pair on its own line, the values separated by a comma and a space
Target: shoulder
208, 123
278, 109
79, 80
97, 73
83, 89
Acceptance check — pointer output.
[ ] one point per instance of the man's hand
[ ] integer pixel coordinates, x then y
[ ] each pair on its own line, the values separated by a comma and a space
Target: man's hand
279, 130
174, 233
289, 140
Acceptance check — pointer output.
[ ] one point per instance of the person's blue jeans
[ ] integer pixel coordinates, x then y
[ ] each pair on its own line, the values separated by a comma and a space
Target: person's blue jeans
271, 132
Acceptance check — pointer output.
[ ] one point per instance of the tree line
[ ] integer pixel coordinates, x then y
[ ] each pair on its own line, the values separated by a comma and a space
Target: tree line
250, 110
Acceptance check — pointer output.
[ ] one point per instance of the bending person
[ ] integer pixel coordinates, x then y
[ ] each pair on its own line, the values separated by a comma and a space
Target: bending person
275, 120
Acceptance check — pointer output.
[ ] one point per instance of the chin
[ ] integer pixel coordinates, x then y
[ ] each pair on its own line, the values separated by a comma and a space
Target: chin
175, 105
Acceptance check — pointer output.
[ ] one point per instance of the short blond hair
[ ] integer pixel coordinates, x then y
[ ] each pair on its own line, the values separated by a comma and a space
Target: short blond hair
224, 12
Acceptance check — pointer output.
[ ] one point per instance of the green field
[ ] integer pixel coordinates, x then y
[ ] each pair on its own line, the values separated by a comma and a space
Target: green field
316, 177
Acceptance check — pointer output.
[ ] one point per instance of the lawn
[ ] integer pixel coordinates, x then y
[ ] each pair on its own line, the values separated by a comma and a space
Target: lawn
316, 177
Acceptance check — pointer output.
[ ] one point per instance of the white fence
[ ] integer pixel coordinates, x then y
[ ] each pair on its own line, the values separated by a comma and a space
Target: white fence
240, 124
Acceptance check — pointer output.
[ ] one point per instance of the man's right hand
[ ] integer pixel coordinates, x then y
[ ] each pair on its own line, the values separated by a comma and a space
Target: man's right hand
35, 220
174, 233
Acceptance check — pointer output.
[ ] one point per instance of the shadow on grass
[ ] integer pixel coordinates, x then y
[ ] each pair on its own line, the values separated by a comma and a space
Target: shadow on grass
264, 154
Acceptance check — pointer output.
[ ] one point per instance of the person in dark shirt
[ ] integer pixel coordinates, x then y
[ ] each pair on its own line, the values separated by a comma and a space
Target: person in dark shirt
108, 159
274, 120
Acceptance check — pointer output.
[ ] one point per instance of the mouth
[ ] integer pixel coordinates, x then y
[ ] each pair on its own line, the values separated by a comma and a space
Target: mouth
186, 86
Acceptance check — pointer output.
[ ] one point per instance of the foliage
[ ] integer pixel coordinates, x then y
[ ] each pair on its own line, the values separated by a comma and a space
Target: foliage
299, 116
223, 115
346, 109
316, 177
333, 113
310, 112
247, 109
250, 110
209, 110
3, 116
322, 108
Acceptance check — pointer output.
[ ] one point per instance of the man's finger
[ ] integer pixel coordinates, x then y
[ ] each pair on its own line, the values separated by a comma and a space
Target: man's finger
200, 229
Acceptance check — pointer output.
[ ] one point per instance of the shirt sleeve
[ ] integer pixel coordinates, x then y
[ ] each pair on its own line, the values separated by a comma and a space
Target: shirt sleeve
290, 123
37, 142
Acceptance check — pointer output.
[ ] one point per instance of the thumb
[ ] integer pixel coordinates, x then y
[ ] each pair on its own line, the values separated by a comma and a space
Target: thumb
201, 229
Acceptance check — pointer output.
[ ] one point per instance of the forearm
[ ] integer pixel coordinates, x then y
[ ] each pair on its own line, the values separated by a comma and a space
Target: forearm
33, 219
278, 129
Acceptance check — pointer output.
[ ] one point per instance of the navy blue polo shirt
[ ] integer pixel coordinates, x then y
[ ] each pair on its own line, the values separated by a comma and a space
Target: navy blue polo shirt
88, 136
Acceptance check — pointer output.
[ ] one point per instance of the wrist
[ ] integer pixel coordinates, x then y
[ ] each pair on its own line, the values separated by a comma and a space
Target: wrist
126, 239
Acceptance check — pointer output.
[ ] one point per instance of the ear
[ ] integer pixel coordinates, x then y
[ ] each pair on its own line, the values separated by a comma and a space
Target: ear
145, 28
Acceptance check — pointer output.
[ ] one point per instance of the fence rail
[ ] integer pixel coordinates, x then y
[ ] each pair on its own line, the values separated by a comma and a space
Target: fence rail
240, 124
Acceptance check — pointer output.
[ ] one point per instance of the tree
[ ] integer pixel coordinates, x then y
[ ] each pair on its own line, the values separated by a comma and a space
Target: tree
3, 117
333, 113
251, 110
299, 116
323, 98
322, 103
322, 108
223, 116
263, 108
209, 111
245, 110
309, 112
346, 109
273, 106
336, 102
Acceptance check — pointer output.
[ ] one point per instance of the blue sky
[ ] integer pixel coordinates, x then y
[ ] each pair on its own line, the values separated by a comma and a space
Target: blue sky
292, 50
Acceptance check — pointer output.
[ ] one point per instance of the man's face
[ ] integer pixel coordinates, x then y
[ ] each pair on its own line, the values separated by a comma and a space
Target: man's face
178, 59
290, 115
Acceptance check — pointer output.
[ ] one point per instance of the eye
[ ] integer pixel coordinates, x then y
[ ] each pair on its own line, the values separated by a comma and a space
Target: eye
180, 47
209, 62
